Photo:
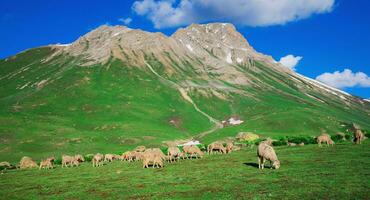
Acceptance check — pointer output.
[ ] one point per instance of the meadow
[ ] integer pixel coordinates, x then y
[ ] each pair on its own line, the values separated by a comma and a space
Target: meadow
308, 172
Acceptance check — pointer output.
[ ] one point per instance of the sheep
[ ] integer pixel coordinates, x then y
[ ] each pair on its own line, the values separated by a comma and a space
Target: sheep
67, 160
229, 147
47, 163
152, 157
97, 160
125, 156
268, 141
109, 157
27, 162
301, 144
266, 152
173, 153
137, 155
194, 150
216, 146
79, 158
291, 144
359, 136
324, 138
5, 165
140, 149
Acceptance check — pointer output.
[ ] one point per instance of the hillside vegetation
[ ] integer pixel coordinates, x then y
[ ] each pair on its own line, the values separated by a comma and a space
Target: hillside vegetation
113, 107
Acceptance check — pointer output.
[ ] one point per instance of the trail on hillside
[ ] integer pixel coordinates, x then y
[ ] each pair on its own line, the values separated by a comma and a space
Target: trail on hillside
185, 95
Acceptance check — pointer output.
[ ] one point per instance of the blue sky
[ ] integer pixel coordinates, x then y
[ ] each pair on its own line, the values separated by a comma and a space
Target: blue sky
328, 39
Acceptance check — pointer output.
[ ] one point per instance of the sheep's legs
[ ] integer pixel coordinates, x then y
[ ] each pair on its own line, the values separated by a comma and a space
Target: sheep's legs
259, 163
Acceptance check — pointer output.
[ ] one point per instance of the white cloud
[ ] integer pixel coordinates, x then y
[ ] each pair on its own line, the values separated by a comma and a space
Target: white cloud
290, 61
126, 21
345, 79
171, 13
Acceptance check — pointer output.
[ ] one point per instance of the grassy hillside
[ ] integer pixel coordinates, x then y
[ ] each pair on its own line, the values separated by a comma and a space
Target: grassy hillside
309, 172
55, 107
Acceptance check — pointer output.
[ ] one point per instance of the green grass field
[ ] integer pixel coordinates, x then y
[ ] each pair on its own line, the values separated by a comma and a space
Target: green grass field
309, 172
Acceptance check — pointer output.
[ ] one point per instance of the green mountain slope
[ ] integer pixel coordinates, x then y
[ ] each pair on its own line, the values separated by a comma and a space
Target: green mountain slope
52, 102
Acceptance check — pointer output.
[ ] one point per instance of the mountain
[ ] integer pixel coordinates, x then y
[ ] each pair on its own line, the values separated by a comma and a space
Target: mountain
115, 88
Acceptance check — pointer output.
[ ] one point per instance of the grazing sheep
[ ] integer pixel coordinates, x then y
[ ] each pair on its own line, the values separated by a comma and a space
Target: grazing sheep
229, 147
124, 156
27, 162
137, 156
152, 156
266, 152
186, 149
216, 146
194, 151
5, 165
47, 163
359, 136
291, 144
109, 157
268, 141
79, 158
324, 138
140, 149
98, 160
173, 153
67, 160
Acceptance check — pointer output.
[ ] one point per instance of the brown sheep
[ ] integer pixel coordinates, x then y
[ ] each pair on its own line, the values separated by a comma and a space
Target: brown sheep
266, 152
216, 146
98, 160
229, 147
359, 136
173, 154
27, 162
324, 138
47, 163
194, 151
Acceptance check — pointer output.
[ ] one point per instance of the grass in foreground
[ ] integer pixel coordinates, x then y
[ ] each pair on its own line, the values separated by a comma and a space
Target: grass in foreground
309, 172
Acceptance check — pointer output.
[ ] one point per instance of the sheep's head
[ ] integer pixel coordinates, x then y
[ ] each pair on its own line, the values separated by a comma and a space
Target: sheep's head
80, 158
201, 154
276, 164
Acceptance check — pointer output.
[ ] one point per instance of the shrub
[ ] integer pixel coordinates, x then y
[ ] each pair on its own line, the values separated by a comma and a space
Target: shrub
279, 143
58, 161
88, 157
164, 150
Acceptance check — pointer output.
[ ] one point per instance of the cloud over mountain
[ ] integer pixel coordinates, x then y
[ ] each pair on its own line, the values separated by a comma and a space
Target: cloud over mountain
172, 13
290, 61
345, 79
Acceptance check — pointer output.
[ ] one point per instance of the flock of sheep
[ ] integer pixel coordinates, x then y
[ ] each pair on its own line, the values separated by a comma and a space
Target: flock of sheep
155, 157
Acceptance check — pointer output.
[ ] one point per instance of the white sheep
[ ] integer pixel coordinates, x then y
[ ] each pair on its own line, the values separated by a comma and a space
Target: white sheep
266, 152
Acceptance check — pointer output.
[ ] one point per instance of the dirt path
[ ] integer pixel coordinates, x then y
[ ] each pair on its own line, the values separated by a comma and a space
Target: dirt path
184, 94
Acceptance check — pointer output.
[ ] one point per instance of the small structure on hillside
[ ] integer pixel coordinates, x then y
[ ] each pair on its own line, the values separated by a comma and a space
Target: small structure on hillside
232, 121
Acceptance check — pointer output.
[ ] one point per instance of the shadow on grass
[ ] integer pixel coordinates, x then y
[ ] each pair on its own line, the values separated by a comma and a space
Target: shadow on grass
255, 165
